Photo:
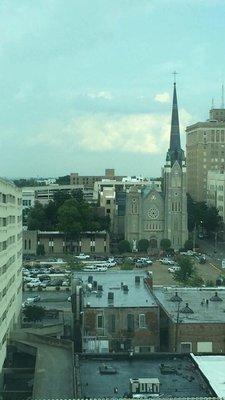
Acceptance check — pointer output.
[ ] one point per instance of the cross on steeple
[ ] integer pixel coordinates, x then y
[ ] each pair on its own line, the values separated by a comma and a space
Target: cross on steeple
174, 77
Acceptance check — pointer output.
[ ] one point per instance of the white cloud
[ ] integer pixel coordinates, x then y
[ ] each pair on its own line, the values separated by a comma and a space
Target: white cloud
100, 95
162, 97
133, 133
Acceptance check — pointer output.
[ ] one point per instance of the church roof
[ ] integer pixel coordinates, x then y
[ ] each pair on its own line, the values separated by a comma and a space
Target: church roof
175, 153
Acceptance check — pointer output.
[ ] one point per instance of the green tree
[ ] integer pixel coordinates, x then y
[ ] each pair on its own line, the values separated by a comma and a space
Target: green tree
124, 246
34, 313
186, 271
63, 180
188, 245
143, 245
36, 218
212, 219
165, 244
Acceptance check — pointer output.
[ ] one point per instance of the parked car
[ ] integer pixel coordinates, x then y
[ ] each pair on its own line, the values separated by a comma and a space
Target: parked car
173, 269
83, 256
166, 261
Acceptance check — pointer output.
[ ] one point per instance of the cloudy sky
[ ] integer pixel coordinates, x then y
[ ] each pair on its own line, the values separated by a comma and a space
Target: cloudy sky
87, 84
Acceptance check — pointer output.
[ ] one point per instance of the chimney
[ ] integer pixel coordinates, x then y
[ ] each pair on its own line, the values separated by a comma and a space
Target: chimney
149, 280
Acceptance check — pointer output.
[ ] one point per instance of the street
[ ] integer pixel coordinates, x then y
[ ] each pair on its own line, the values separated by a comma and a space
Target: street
50, 299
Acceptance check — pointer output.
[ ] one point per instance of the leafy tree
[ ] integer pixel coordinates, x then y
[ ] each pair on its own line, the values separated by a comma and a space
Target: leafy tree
63, 180
201, 215
127, 266
124, 246
40, 250
165, 244
212, 219
143, 245
188, 245
196, 281
34, 313
36, 218
186, 271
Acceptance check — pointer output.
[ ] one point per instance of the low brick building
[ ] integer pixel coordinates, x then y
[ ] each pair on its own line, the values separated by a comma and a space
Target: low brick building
56, 243
192, 319
119, 312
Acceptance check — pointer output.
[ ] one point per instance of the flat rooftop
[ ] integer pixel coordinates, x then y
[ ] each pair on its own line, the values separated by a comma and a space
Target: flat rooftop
207, 304
186, 383
213, 368
138, 295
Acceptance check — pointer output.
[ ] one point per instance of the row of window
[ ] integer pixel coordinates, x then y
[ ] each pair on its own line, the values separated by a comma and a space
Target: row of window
176, 206
111, 322
11, 240
5, 289
5, 267
153, 226
27, 203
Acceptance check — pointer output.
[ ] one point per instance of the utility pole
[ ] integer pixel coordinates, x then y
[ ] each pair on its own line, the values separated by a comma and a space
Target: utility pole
194, 238
177, 327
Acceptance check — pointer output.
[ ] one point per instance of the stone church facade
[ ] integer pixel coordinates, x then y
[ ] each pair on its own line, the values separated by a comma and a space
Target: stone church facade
155, 215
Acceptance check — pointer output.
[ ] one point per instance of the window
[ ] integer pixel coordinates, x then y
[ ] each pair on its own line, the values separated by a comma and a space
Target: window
130, 322
108, 201
142, 322
108, 211
100, 321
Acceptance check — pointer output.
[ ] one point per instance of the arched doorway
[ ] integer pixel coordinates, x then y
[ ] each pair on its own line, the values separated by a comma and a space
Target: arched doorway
153, 246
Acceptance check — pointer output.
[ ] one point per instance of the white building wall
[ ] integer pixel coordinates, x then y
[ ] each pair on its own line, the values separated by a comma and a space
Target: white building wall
10, 261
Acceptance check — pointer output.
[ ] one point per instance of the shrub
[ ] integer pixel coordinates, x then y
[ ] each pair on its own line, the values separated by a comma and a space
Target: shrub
124, 246
143, 245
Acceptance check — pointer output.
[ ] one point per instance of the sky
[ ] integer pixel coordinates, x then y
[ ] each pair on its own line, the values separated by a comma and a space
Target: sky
87, 84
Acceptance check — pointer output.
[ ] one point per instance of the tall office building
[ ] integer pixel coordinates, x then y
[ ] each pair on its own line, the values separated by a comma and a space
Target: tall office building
10, 261
205, 151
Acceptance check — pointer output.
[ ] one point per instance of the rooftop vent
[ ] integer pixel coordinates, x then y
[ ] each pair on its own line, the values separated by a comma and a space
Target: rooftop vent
216, 297
110, 297
125, 289
100, 288
176, 298
137, 280
187, 310
90, 279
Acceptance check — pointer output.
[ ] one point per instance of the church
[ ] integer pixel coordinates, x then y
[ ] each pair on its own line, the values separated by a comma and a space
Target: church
155, 214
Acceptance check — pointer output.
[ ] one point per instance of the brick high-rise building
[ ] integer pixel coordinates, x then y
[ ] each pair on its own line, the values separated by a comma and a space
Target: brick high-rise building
205, 151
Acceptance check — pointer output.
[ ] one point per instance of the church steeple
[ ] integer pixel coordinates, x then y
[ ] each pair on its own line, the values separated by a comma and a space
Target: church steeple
175, 153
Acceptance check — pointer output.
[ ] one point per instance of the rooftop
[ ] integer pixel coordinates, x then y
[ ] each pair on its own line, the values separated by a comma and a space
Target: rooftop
187, 382
213, 368
205, 305
137, 295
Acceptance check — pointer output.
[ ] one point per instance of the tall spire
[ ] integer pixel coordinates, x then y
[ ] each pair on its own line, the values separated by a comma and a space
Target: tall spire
175, 153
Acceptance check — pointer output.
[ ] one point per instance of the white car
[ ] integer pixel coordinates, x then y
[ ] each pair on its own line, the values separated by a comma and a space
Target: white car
83, 256
173, 269
34, 283
101, 269
166, 261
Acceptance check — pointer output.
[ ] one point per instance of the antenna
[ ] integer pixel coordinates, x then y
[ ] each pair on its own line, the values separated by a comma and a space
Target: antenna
212, 107
222, 97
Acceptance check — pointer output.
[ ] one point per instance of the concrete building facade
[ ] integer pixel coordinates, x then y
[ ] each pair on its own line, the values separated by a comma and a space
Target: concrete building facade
216, 191
89, 180
154, 215
56, 243
205, 151
10, 261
